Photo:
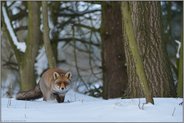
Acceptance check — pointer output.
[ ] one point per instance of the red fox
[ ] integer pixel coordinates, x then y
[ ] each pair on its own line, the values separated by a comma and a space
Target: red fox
54, 84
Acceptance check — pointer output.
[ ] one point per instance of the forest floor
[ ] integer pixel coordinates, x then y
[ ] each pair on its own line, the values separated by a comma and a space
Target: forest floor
82, 108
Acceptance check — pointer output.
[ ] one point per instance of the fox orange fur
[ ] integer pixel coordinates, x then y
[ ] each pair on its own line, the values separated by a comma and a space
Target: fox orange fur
54, 84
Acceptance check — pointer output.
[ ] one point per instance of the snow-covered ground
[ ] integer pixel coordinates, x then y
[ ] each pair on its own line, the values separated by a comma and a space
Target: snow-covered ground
81, 108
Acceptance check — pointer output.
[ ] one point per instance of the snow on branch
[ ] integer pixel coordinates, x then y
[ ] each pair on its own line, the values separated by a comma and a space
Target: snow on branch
20, 45
178, 49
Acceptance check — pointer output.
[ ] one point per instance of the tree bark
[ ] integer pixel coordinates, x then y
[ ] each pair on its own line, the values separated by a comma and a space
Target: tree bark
147, 27
135, 53
47, 44
27, 75
113, 56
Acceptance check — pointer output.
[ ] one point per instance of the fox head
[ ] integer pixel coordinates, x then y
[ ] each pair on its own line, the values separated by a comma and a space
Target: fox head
62, 82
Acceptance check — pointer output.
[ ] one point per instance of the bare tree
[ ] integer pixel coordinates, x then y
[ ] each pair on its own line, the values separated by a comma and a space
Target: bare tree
26, 59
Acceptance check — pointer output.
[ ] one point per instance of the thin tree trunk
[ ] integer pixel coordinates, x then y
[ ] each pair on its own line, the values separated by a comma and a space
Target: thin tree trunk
113, 57
180, 71
47, 44
147, 27
135, 52
54, 8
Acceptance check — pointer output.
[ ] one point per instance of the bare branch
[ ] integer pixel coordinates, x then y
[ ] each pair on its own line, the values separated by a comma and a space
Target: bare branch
17, 52
173, 111
80, 40
75, 57
13, 2
75, 14
19, 15
21, 28
87, 27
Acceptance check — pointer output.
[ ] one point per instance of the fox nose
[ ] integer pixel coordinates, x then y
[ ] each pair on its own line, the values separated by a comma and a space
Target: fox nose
62, 88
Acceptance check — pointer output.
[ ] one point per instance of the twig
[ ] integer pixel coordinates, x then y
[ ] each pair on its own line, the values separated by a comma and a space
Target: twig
181, 103
139, 105
9, 103
25, 110
25, 105
173, 111
82, 40
25, 116
143, 106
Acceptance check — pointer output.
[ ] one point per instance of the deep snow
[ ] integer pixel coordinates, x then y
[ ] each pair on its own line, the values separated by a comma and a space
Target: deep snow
81, 108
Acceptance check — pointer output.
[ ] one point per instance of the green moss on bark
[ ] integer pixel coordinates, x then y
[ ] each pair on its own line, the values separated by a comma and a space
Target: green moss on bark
135, 52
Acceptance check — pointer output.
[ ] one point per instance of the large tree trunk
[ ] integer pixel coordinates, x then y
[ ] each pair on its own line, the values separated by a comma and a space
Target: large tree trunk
113, 57
27, 75
130, 34
147, 26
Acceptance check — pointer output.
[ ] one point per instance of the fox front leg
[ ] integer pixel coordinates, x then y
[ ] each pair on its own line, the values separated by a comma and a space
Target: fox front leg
48, 96
60, 98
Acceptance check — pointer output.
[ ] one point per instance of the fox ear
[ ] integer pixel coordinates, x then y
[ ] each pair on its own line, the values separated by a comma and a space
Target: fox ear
68, 75
55, 75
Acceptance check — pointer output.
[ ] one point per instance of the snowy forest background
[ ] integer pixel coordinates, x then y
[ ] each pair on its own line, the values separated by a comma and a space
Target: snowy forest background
81, 43
123, 57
